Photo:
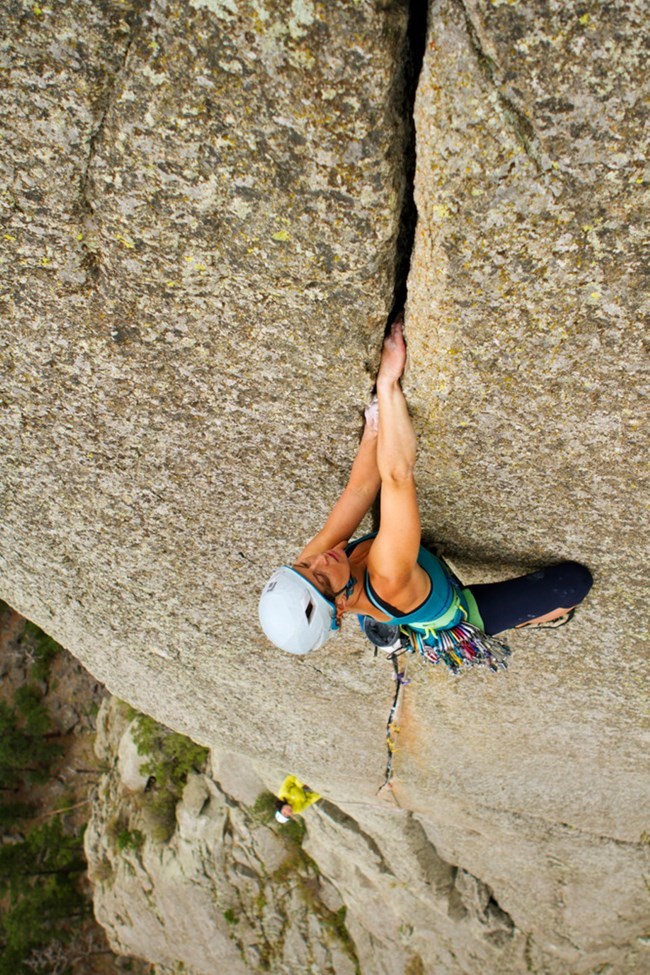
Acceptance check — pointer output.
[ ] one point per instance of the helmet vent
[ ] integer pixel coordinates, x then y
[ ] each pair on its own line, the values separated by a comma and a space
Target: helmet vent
309, 609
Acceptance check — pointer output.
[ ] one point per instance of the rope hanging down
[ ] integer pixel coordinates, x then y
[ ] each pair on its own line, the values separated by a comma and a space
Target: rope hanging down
392, 728
462, 646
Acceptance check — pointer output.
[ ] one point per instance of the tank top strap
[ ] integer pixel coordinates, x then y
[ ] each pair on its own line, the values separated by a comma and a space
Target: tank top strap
350, 547
443, 607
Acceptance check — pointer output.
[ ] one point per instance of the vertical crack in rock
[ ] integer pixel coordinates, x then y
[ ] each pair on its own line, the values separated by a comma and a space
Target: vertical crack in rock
133, 19
407, 84
521, 125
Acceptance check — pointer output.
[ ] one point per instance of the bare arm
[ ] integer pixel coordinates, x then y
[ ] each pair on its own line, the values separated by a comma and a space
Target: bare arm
355, 501
392, 560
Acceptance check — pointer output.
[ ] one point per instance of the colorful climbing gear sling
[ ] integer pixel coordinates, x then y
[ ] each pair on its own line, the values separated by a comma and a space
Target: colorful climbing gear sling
460, 647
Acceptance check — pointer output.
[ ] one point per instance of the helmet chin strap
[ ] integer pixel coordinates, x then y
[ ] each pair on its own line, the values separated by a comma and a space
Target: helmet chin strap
348, 588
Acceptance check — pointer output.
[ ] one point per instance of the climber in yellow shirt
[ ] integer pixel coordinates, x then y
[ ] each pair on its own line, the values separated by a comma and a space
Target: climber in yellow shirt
293, 798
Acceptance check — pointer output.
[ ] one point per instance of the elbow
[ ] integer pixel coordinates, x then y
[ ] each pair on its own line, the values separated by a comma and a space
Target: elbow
399, 475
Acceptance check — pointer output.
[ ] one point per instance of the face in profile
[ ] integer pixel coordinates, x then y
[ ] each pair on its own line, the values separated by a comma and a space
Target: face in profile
329, 571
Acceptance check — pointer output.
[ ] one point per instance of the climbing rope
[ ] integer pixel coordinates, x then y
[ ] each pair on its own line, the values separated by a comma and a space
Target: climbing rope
458, 648
392, 728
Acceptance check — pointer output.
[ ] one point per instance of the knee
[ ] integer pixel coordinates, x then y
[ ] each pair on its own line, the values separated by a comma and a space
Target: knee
573, 582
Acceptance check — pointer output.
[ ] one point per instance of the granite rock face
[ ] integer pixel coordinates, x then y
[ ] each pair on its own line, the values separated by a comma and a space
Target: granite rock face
226, 892
202, 209
525, 325
202, 203
231, 890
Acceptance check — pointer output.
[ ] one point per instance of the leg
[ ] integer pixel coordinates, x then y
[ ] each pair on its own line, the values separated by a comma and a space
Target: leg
539, 596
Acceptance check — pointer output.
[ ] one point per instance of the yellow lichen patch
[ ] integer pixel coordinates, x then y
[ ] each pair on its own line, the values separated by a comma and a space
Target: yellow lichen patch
440, 211
281, 235
125, 241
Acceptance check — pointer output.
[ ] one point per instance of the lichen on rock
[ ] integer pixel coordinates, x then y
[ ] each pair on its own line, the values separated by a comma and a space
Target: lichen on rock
202, 206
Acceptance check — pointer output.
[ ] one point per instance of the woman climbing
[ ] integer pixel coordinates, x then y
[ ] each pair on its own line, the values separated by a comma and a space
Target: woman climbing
388, 577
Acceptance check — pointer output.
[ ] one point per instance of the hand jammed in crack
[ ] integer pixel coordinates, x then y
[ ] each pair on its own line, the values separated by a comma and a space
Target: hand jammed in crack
393, 355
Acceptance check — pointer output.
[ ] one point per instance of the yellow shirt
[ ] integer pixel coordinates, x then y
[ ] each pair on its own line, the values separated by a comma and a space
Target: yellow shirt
296, 794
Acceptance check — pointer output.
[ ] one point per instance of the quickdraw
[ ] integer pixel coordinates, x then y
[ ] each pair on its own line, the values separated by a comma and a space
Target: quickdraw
461, 646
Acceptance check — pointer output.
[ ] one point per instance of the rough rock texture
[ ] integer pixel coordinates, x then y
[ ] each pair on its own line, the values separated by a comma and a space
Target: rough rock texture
202, 205
231, 891
228, 892
202, 208
525, 323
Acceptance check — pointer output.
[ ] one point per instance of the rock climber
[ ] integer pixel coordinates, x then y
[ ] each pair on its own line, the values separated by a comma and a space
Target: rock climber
387, 576
293, 798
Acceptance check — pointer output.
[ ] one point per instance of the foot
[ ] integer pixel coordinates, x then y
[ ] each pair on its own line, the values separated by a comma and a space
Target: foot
551, 621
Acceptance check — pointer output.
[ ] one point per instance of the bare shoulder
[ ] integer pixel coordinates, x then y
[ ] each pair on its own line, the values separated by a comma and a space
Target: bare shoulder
405, 592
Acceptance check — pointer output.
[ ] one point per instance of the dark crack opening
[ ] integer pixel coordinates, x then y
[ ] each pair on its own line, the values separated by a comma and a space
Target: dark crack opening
414, 48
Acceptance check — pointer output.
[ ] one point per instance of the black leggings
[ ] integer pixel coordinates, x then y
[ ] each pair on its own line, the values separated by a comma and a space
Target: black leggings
503, 605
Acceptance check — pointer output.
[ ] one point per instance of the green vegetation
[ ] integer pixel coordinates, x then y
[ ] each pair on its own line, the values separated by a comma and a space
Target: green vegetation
38, 880
170, 759
263, 809
41, 856
29, 701
129, 839
13, 811
171, 756
26, 747
43, 650
230, 916
295, 830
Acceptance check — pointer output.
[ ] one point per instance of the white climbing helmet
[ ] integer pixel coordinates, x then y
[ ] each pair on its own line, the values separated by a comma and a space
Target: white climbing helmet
295, 616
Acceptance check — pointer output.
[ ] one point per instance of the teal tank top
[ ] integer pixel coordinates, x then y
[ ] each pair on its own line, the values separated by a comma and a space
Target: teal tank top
445, 606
